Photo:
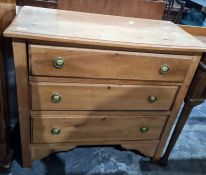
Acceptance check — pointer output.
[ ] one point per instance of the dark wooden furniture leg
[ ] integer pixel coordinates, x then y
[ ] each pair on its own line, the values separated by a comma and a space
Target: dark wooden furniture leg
188, 106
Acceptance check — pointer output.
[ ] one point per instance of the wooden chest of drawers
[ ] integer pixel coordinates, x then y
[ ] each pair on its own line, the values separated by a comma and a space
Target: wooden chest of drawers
88, 79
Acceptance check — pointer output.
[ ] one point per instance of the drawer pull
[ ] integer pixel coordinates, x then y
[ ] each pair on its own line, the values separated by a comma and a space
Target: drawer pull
144, 129
56, 98
55, 131
58, 62
164, 69
152, 99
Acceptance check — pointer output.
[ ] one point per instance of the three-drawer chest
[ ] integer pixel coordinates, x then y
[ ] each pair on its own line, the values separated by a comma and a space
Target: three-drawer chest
89, 79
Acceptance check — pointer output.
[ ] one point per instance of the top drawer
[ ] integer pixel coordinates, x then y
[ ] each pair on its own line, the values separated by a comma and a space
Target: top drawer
90, 63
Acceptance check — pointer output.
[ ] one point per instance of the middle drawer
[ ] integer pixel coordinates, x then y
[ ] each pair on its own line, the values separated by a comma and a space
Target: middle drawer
76, 96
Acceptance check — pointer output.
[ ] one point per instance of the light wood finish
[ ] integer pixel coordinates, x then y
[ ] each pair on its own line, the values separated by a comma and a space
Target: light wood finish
40, 151
201, 38
177, 104
101, 30
130, 8
122, 101
100, 81
101, 96
197, 32
90, 63
20, 61
96, 128
100, 113
194, 30
107, 47
196, 94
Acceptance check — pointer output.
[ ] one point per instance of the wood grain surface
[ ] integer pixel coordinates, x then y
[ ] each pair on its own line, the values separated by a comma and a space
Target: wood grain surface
129, 8
96, 128
195, 30
176, 107
76, 96
104, 91
92, 63
94, 29
40, 151
22, 82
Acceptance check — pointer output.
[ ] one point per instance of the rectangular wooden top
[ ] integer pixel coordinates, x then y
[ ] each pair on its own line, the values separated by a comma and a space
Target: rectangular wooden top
95, 29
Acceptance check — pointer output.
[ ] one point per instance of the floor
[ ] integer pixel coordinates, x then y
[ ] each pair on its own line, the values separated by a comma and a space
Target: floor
187, 158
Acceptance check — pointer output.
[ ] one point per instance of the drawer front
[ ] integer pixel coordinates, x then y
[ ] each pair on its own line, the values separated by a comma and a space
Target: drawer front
75, 96
90, 63
53, 129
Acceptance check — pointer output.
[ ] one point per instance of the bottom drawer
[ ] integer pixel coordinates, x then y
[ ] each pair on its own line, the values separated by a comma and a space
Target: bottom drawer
57, 129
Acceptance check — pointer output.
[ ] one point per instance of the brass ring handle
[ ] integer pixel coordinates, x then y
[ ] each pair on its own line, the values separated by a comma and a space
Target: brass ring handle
152, 99
55, 131
164, 69
144, 129
56, 98
58, 62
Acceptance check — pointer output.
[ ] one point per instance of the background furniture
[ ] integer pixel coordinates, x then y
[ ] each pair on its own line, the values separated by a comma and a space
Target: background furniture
7, 13
174, 10
38, 3
129, 89
196, 94
130, 8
